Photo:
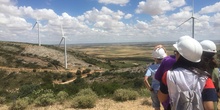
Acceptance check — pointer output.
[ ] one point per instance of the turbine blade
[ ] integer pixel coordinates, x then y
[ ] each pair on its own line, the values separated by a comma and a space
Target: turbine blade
34, 25
184, 22
61, 41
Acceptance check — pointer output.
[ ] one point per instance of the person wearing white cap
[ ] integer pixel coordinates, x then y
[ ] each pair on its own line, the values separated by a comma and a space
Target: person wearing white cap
185, 81
208, 62
158, 54
165, 65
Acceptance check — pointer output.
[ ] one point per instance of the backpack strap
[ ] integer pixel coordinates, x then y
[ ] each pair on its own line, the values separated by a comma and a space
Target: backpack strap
185, 99
194, 84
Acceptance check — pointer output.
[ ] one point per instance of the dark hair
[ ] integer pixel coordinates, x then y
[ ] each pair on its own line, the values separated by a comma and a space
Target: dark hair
191, 66
184, 63
208, 62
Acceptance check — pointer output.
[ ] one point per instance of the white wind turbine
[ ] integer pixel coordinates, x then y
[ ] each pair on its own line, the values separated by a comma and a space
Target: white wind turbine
193, 19
65, 53
37, 23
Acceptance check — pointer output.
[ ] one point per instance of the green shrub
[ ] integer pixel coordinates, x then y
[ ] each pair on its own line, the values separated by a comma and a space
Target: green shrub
26, 90
94, 75
86, 71
144, 92
61, 96
84, 101
78, 72
19, 104
138, 83
34, 70
105, 89
85, 98
2, 100
125, 94
69, 75
39, 92
45, 99
86, 91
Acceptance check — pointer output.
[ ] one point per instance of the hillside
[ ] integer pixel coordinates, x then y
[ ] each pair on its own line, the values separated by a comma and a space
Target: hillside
23, 57
27, 69
17, 59
29, 56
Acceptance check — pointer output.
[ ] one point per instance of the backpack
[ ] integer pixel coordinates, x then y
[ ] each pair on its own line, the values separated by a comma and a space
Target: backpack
187, 100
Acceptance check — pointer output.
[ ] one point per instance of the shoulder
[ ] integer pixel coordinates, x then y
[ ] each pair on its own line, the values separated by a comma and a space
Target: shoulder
209, 91
154, 66
209, 84
216, 70
169, 59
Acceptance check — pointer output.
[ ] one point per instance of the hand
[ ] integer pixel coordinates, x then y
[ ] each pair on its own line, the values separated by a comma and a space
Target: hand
218, 94
151, 89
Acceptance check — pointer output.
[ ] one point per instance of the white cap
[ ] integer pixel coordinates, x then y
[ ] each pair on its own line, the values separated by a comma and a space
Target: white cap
208, 46
159, 53
189, 48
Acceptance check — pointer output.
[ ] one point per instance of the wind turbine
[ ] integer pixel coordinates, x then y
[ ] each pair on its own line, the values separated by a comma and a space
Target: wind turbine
193, 19
65, 53
37, 23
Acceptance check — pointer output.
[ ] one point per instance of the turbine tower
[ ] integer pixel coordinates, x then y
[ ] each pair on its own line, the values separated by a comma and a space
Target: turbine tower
37, 23
65, 53
193, 19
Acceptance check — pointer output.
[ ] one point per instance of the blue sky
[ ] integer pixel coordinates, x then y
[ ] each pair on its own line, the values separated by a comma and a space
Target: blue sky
107, 21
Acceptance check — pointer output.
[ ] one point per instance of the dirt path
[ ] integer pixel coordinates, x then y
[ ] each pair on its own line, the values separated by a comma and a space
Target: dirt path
30, 70
42, 70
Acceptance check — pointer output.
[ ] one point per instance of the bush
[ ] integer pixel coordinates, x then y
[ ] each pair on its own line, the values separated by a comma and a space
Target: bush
144, 92
19, 104
26, 90
69, 75
86, 91
86, 71
105, 89
34, 70
61, 96
78, 72
85, 98
138, 83
84, 101
39, 92
124, 95
45, 99
2, 100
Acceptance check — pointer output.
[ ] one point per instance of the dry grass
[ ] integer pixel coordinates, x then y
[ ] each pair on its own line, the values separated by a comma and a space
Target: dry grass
102, 104
116, 51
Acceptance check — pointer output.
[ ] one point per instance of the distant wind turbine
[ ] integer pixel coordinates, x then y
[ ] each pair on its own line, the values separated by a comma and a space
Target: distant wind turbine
193, 19
65, 53
37, 23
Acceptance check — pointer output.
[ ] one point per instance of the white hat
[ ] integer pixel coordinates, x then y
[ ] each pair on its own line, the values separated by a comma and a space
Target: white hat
208, 46
159, 53
189, 48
